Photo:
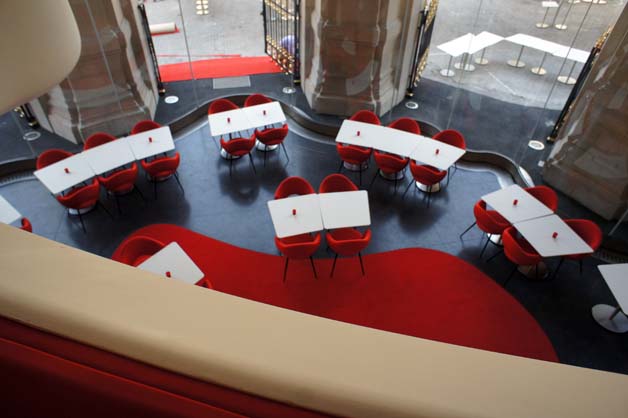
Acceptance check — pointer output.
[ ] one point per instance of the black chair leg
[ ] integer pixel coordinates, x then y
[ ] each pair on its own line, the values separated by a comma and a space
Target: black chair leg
580, 262
360, 176
155, 188
407, 188
138, 191
485, 245
285, 152
117, 204
81, 219
333, 266
176, 177
252, 163
429, 196
374, 178
285, 269
313, 268
510, 275
395, 189
230, 166
100, 205
560, 263
361, 263
341, 164
265, 152
468, 229
494, 255
448, 172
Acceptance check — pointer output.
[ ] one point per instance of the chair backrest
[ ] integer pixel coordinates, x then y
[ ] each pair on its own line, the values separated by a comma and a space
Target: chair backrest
162, 166
144, 125
51, 156
272, 136
137, 249
293, 185
221, 105
99, 138
546, 195
426, 174
351, 246
238, 144
26, 225
120, 178
352, 154
487, 220
517, 249
407, 125
366, 116
256, 99
83, 197
588, 230
336, 183
451, 137
390, 162
299, 246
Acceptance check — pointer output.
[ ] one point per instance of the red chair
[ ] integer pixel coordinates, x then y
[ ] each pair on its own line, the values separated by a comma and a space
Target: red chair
353, 157
51, 156
391, 167
366, 116
162, 168
336, 183
273, 137
299, 247
407, 125
545, 195
99, 138
519, 251
453, 138
239, 147
589, 232
143, 126
82, 199
221, 105
348, 242
26, 225
256, 99
136, 250
293, 186
427, 176
489, 222
121, 182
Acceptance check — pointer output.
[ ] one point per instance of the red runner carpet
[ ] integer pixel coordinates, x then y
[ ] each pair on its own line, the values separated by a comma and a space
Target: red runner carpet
415, 291
220, 67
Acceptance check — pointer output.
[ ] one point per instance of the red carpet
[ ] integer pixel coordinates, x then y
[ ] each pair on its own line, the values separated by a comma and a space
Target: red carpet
216, 68
418, 292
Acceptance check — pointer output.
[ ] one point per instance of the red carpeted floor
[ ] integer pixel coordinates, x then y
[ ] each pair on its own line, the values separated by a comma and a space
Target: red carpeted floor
415, 291
220, 67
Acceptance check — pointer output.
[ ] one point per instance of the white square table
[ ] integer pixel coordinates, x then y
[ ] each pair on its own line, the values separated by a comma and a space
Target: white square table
296, 215
454, 48
228, 122
480, 42
426, 153
527, 206
172, 260
533, 42
256, 116
574, 54
378, 137
611, 317
547, 5
57, 179
109, 156
345, 209
8, 214
551, 236
150, 143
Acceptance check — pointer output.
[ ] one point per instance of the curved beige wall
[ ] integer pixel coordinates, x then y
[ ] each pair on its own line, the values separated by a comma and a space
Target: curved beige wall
39, 46
279, 354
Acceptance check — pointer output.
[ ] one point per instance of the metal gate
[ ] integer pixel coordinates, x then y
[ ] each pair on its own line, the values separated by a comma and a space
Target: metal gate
281, 34
424, 37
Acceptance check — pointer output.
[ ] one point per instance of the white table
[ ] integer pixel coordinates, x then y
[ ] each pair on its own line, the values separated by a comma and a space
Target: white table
150, 143
574, 54
228, 122
547, 47
296, 215
8, 214
174, 262
57, 179
345, 209
426, 153
455, 48
109, 156
378, 137
547, 5
611, 317
527, 206
540, 234
482, 41
264, 114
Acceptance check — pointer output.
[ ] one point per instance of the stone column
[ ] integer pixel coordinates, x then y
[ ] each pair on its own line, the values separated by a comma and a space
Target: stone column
357, 54
113, 85
589, 161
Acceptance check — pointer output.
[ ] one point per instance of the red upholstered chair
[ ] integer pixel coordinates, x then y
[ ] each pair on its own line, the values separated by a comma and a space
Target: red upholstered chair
426, 175
221, 105
353, 157
453, 138
366, 116
489, 222
293, 186
298, 246
239, 147
348, 242
391, 166
589, 232
137, 249
519, 251
26, 225
143, 126
546, 195
336, 183
162, 168
256, 99
99, 138
407, 125
121, 182
51, 156
271, 137
83, 198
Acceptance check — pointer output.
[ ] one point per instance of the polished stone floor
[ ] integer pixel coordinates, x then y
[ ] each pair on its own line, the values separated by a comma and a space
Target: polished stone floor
233, 208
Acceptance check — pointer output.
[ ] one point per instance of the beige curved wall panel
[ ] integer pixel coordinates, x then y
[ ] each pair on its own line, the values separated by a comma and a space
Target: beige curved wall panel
39, 44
